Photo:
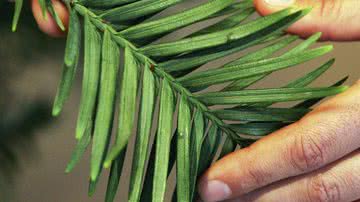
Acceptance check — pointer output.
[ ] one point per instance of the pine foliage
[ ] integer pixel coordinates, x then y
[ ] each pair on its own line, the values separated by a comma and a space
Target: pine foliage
190, 123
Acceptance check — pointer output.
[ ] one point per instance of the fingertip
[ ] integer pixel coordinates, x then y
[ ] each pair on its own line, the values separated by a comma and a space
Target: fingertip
262, 7
220, 181
214, 190
46, 23
266, 7
337, 20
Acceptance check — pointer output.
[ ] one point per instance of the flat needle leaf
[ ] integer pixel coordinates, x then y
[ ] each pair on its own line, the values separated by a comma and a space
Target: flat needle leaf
72, 51
197, 132
268, 95
163, 142
92, 57
55, 15
80, 148
105, 110
143, 134
114, 177
127, 106
17, 12
183, 151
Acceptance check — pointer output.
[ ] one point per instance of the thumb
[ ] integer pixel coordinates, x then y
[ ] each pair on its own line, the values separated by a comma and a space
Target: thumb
339, 20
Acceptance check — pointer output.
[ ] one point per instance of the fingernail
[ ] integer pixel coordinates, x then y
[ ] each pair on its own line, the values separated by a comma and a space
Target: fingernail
215, 190
280, 2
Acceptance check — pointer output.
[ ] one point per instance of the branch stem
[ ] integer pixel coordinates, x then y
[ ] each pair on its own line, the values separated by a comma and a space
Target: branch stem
103, 25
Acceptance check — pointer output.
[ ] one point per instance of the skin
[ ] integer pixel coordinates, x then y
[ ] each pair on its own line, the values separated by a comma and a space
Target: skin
316, 159
47, 24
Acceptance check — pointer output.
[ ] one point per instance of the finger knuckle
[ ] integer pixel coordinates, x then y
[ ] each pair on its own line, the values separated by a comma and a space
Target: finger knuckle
258, 177
322, 189
306, 153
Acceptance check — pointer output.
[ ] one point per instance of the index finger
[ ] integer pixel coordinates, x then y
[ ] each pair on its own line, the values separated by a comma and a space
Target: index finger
321, 137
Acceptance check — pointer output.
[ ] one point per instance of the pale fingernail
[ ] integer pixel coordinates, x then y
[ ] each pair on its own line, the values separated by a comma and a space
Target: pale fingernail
215, 190
280, 2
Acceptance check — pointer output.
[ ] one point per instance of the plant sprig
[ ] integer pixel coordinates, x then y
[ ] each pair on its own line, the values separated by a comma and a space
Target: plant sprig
162, 75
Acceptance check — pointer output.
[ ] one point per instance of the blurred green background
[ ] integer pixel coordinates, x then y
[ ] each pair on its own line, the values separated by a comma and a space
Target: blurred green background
35, 148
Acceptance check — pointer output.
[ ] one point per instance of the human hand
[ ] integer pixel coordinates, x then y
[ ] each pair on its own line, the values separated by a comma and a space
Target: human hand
336, 19
316, 159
